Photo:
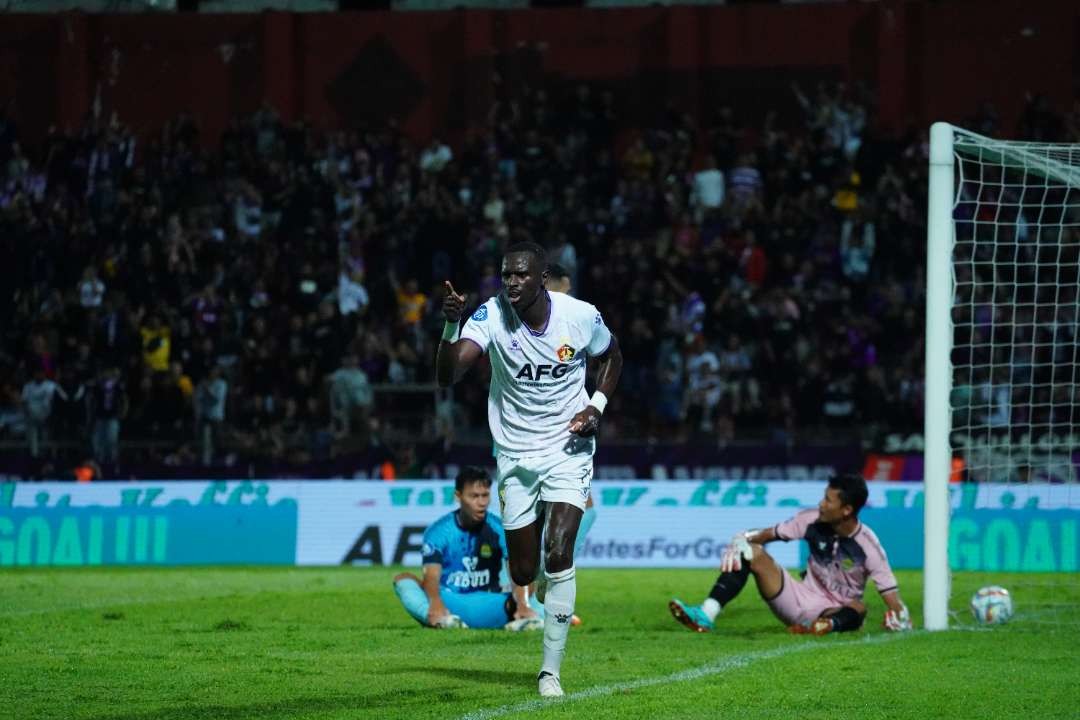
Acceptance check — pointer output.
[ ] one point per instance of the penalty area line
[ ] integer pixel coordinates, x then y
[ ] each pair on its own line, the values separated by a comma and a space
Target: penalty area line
724, 665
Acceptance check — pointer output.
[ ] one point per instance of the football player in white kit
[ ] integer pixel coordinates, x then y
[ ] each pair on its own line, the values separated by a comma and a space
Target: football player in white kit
542, 420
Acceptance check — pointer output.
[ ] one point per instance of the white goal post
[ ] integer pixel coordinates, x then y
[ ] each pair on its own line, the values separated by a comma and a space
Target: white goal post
1002, 323
937, 424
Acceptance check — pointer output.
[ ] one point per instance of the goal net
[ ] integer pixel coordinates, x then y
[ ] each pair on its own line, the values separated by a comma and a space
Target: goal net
1002, 425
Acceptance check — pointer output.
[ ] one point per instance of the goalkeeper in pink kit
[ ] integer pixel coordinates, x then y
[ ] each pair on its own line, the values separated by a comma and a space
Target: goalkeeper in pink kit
844, 554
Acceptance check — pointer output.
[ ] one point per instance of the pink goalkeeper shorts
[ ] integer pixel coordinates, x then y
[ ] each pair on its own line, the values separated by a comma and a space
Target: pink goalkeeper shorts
797, 604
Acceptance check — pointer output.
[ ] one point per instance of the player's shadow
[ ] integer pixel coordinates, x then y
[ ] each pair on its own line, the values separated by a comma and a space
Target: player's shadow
285, 708
471, 675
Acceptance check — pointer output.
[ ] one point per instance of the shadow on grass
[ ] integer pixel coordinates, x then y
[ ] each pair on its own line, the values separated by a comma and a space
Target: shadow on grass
378, 705
471, 676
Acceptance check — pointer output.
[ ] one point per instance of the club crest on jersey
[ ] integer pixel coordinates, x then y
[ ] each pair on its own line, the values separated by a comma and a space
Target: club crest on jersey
485, 551
565, 353
481, 314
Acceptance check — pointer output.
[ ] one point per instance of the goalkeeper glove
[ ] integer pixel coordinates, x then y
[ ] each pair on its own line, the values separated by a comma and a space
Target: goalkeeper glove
737, 550
897, 621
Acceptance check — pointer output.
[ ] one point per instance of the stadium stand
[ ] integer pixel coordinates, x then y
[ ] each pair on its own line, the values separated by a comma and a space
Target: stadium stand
278, 293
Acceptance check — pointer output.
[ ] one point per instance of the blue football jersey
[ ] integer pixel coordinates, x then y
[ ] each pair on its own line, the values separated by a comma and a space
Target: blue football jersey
471, 559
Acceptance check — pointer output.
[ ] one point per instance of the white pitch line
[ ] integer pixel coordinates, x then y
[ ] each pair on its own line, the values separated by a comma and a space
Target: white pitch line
732, 662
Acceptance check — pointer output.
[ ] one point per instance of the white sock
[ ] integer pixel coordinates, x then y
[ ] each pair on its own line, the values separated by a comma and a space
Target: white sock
558, 609
711, 608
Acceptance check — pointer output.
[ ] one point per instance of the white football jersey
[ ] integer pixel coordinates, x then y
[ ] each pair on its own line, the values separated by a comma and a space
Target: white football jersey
537, 379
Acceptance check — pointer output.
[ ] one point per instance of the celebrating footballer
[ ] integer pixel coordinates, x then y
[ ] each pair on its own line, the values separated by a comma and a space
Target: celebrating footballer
543, 423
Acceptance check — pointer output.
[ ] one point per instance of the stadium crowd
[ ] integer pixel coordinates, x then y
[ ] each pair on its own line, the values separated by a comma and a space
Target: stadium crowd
244, 296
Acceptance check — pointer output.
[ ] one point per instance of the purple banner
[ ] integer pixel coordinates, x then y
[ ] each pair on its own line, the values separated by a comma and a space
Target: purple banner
761, 462
622, 462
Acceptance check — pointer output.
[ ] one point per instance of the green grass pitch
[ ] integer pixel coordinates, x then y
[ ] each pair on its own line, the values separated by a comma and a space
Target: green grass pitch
224, 643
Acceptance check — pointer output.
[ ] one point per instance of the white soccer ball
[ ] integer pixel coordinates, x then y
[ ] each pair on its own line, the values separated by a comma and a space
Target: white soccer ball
992, 605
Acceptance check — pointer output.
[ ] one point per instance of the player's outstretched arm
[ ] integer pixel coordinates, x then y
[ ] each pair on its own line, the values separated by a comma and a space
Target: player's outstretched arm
436, 608
453, 357
610, 368
762, 536
521, 600
738, 551
897, 617
586, 422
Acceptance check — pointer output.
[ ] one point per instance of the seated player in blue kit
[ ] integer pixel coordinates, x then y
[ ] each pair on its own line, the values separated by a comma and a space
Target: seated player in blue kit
464, 558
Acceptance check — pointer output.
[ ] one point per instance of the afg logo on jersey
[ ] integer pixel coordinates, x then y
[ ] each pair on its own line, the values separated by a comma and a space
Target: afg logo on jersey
537, 372
481, 314
565, 353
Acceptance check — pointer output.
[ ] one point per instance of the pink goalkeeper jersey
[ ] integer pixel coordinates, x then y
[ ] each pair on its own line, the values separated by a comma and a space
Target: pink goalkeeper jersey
839, 566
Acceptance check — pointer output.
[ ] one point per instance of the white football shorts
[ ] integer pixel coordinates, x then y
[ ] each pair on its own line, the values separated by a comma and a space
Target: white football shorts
524, 483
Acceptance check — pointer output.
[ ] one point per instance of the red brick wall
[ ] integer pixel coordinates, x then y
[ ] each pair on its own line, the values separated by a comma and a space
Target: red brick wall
433, 70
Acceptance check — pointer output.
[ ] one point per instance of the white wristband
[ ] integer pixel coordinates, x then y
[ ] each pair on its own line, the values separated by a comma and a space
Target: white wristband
450, 332
598, 401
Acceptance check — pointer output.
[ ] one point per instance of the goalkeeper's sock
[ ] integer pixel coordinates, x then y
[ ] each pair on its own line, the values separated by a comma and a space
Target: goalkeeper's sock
728, 585
559, 609
846, 620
